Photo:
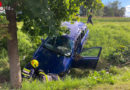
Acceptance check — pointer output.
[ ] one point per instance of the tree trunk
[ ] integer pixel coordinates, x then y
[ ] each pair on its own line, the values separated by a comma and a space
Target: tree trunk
15, 70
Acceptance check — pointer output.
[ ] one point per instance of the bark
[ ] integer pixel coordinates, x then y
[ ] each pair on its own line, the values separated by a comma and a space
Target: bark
15, 70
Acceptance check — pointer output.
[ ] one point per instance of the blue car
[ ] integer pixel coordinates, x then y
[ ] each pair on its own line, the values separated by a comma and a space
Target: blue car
58, 54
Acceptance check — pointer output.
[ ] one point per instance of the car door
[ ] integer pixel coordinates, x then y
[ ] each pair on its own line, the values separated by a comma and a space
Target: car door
88, 58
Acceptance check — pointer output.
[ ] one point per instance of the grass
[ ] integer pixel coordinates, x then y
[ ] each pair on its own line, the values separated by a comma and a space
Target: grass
117, 86
114, 78
107, 19
93, 80
109, 33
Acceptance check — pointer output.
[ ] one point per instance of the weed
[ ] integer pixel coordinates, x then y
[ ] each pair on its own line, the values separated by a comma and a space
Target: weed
114, 70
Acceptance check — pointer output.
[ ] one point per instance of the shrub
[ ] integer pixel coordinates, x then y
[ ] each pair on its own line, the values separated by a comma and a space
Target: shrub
26, 48
118, 56
114, 70
101, 77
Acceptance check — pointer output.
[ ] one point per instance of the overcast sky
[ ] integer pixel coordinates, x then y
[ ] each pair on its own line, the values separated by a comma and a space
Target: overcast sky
124, 3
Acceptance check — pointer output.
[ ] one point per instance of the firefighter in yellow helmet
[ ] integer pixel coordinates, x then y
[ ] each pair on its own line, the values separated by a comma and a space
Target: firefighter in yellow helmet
30, 68
31, 71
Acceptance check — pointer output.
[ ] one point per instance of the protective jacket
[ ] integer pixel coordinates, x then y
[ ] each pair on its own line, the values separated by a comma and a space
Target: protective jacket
30, 72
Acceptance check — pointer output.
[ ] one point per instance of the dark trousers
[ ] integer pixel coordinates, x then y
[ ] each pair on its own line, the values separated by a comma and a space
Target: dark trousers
90, 19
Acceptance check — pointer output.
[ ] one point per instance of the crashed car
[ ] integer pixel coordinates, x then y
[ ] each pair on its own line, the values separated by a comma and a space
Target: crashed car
58, 54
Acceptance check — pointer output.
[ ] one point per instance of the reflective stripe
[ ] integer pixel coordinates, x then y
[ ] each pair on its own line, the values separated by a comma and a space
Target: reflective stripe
58, 78
44, 75
25, 74
25, 69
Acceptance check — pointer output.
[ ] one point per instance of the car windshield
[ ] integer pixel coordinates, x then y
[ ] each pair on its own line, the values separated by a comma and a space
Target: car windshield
61, 44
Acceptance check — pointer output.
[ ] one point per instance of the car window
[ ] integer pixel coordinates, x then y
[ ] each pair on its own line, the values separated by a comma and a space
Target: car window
60, 44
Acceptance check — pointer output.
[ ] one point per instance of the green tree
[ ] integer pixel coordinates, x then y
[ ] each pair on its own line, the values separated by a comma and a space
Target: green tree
45, 15
82, 11
99, 12
114, 9
122, 11
94, 5
3, 27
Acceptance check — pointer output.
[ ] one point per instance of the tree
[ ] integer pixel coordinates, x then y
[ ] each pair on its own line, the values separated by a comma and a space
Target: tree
45, 15
82, 11
114, 9
15, 70
122, 11
98, 12
94, 5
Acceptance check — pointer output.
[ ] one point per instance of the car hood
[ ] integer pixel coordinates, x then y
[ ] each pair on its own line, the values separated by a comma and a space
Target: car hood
52, 62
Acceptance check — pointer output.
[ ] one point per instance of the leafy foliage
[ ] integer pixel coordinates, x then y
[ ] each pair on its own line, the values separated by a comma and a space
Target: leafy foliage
3, 27
114, 9
118, 56
94, 5
45, 16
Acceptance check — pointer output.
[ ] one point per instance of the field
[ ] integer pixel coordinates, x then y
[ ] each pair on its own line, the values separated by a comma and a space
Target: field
113, 70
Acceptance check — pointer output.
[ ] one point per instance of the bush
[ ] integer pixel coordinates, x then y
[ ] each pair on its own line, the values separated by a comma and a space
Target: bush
101, 77
3, 27
26, 48
118, 56
114, 70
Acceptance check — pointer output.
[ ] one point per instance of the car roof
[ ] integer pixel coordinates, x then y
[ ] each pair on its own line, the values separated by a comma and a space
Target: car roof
75, 29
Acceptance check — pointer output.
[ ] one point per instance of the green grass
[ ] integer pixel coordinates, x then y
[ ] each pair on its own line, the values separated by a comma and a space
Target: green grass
91, 80
109, 33
113, 77
107, 19
117, 86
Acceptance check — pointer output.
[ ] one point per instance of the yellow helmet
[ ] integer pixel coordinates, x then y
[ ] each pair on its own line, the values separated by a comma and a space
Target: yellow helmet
34, 63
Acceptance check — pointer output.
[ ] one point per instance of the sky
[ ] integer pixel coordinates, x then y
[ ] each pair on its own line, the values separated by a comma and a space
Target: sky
124, 3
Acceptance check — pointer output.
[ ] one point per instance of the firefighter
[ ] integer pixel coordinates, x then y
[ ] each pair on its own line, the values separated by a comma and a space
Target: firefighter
90, 17
31, 71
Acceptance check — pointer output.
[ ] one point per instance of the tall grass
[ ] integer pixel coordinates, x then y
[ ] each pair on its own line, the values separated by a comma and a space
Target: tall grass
71, 83
113, 76
92, 79
109, 35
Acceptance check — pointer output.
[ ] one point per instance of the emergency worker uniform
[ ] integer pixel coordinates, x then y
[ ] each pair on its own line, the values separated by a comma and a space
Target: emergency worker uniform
31, 71
90, 17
